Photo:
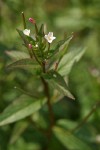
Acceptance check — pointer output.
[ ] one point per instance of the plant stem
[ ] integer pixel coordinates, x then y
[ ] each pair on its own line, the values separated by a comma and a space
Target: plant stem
86, 117
48, 48
46, 91
35, 57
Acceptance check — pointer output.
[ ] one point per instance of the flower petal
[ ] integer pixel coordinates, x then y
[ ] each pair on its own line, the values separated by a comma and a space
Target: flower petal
26, 32
49, 37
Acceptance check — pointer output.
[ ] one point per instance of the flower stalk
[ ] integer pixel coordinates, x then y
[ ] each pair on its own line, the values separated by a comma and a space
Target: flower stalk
36, 58
48, 47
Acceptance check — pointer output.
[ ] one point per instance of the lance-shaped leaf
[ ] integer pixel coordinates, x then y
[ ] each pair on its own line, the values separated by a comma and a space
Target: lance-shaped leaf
66, 124
24, 38
69, 140
57, 82
16, 55
18, 129
60, 50
63, 45
69, 59
26, 64
41, 30
20, 109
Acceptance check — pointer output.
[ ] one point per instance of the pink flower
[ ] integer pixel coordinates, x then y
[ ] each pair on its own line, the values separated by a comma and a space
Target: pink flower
32, 20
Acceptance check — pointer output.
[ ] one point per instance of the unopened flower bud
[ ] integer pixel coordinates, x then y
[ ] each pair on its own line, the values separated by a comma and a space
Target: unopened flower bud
30, 46
32, 20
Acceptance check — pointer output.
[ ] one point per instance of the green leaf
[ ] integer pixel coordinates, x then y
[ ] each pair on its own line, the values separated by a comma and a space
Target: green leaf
18, 129
69, 59
26, 64
54, 144
41, 30
31, 40
60, 50
66, 124
24, 38
63, 45
86, 132
20, 109
21, 143
57, 82
70, 141
16, 55
22, 63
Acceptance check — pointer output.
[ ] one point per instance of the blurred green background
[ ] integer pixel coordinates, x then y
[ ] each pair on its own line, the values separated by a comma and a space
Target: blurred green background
62, 17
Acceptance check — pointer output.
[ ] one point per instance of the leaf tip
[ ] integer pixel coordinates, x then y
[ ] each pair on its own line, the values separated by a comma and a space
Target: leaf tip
72, 97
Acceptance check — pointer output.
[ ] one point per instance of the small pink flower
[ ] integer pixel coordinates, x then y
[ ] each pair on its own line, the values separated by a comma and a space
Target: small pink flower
32, 20
30, 46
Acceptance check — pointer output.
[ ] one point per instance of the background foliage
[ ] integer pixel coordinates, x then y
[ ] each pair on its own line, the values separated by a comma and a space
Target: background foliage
62, 16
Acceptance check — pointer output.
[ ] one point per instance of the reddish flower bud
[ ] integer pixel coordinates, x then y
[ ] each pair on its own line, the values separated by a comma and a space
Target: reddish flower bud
29, 46
32, 20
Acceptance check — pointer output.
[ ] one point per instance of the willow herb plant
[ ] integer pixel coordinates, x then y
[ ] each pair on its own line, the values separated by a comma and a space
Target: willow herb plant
52, 67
